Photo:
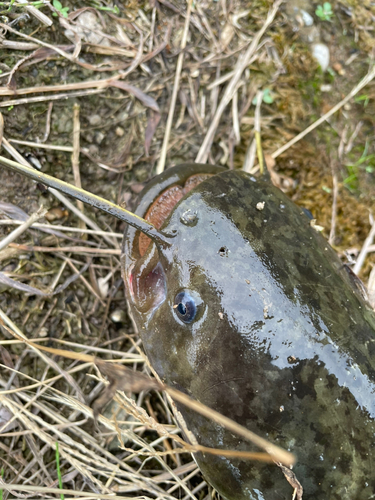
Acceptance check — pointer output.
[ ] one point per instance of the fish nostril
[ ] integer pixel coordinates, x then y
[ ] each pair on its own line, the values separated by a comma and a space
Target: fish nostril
223, 252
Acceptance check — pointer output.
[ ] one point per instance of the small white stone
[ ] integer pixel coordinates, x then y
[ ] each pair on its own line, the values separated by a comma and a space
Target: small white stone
326, 88
103, 287
95, 120
260, 205
99, 137
118, 316
320, 52
316, 226
307, 19
43, 332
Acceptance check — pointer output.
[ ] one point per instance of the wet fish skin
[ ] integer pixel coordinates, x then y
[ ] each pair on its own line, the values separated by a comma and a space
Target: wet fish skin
283, 341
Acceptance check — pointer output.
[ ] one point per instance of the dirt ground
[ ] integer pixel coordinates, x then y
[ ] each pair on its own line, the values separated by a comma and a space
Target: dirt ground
114, 64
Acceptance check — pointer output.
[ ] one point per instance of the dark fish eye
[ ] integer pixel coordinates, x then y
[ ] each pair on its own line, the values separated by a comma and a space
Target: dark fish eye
185, 307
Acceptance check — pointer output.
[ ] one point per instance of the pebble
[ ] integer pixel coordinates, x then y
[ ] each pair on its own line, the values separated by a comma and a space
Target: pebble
338, 68
307, 19
299, 13
118, 316
103, 287
326, 88
56, 213
99, 136
93, 150
95, 120
88, 28
320, 52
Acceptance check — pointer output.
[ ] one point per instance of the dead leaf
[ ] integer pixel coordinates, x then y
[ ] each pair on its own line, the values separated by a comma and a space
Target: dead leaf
120, 379
292, 480
145, 99
5, 416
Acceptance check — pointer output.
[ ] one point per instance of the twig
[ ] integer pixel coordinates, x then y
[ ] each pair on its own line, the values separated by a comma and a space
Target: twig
257, 130
58, 88
236, 121
343, 138
152, 30
250, 157
214, 94
168, 127
48, 122
10, 82
349, 146
36, 13
21, 229
41, 490
242, 64
1, 128
364, 250
62, 228
42, 98
75, 155
53, 147
335, 192
14, 45
77, 249
221, 80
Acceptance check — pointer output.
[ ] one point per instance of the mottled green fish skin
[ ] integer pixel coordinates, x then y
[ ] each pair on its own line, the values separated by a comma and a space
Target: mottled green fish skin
283, 342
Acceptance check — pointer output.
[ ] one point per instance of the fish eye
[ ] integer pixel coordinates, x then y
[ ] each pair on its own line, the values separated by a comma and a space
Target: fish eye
185, 306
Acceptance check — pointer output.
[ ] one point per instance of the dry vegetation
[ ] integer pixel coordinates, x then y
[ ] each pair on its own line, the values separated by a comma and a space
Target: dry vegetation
103, 93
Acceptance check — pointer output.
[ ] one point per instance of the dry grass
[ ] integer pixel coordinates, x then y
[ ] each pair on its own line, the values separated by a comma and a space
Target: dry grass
200, 64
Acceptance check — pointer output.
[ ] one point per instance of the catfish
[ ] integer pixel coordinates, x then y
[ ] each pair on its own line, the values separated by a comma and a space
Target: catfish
242, 305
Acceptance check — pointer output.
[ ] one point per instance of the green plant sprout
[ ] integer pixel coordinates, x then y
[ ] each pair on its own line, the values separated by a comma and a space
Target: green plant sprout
6, 4
96, 5
267, 97
324, 12
58, 6
365, 162
362, 98
58, 470
1, 491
